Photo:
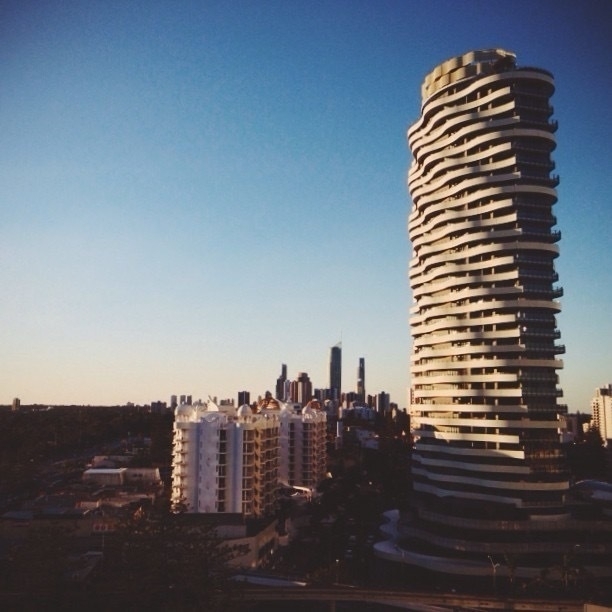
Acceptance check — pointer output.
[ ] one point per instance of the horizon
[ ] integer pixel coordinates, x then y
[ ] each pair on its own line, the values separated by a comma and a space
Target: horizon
194, 195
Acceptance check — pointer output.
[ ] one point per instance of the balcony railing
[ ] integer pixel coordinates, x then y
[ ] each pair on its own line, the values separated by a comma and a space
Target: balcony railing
556, 349
548, 181
553, 277
553, 334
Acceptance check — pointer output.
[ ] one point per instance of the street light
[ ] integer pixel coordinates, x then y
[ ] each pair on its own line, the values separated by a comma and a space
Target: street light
494, 566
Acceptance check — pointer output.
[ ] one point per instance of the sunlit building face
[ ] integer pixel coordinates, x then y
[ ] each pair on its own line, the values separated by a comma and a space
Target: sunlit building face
485, 412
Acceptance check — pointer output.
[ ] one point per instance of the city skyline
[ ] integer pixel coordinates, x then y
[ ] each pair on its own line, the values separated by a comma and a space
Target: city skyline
193, 195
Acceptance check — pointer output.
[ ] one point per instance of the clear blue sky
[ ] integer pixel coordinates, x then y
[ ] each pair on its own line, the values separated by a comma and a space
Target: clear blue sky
192, 193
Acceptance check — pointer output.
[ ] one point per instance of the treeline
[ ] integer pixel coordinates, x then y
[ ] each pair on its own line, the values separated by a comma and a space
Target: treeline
31, 438
156, 560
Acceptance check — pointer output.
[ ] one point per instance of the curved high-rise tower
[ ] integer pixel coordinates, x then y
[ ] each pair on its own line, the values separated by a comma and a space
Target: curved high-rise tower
485, 412
488, 470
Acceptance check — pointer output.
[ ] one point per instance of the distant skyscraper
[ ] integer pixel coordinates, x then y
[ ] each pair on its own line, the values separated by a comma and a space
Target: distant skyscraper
484, 412
361, 392
301, 389
244, 397
383, 403
335, 371
280, 384
158, 407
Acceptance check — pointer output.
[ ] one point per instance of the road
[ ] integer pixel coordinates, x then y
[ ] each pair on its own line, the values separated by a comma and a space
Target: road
425, 602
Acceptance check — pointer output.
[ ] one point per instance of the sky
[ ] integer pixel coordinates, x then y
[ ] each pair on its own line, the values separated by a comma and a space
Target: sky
194, 193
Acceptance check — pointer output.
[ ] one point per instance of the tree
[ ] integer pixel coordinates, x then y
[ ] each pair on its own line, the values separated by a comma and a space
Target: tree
37, 566
164, 560
511, 562
587, 458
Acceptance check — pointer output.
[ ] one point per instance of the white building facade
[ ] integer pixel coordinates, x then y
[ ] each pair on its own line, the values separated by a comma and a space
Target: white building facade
225, 461
228, 460
303, 445
601, 408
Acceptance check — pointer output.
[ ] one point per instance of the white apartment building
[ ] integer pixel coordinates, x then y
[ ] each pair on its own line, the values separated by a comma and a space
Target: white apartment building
229, 460
302, 442
601, 408
225, 459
